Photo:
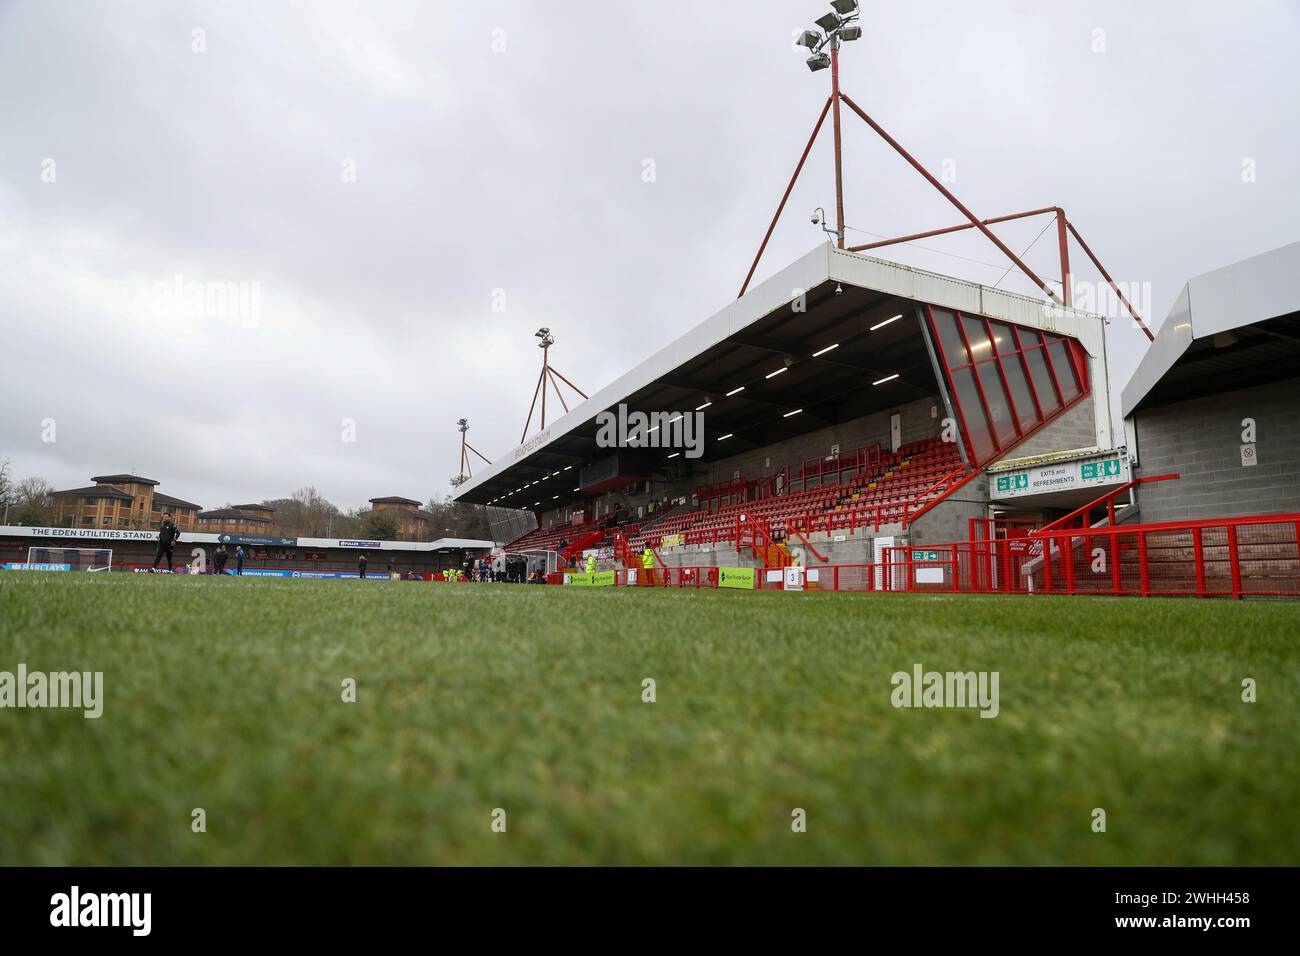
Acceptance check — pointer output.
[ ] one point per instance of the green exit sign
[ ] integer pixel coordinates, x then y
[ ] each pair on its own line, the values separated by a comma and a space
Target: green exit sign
1093, 470
925, 555
1012, 482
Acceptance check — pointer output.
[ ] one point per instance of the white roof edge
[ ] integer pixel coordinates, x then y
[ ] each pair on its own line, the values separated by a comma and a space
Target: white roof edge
1251, 290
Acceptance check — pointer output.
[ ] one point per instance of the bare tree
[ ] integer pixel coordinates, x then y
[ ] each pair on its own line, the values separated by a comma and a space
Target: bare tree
6, 488
454, 519
34, 502
307, 513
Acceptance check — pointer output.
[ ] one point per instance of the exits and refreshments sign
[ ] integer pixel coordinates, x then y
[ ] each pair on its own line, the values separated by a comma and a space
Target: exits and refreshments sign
1064, 476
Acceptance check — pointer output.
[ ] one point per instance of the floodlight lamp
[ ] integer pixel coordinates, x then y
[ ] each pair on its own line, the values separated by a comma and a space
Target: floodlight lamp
844, 7
818, 61
828, 22
851, 32
809, 39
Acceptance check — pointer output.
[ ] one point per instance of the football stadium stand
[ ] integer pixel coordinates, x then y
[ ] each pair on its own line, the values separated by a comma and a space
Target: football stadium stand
984, 457
930, 380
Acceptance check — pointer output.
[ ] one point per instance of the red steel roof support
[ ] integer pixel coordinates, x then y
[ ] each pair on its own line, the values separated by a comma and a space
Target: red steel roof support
975, 221
781, 208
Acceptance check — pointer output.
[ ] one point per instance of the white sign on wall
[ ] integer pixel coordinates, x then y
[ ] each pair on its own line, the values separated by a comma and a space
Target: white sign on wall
1065, 476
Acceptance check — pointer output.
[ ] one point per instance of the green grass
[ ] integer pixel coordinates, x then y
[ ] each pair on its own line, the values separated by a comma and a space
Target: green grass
225, 694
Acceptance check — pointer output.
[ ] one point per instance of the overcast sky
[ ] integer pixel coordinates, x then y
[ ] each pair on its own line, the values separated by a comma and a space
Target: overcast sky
381, 179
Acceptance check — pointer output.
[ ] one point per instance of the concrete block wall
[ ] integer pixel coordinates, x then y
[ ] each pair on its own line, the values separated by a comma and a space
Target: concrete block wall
856, 549
1201, 440
949, 520
1075, 429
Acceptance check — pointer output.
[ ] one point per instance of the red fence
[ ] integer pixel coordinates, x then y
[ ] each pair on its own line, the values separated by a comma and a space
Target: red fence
1222, 557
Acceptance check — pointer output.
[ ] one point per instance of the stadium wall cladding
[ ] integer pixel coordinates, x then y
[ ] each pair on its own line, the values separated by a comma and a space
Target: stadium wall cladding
1201, 440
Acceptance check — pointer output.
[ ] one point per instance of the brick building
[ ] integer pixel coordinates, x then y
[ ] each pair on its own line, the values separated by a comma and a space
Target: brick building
413, 522
121, 501
238, 519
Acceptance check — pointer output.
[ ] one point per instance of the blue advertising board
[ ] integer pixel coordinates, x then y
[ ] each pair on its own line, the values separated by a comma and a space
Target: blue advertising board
258, 539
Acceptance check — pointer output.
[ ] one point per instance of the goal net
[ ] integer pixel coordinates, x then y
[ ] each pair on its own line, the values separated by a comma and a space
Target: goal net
69, 559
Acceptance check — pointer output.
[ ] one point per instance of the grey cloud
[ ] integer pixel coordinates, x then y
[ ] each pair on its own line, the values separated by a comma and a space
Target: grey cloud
521, 170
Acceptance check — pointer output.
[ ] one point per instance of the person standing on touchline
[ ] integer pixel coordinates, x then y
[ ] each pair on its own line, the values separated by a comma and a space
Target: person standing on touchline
168, 534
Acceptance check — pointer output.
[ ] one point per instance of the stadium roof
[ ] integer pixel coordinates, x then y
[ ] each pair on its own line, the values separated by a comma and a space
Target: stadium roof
394, 500
124, 479
854, 349
1231, 328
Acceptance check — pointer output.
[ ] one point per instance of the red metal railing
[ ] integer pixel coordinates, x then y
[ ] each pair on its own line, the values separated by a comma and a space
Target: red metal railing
937, 492
1219, 557
1080, 517
1254, 556
830, 470
809, 545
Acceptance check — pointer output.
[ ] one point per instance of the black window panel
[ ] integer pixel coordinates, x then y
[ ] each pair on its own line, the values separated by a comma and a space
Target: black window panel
1004, 425
977, 338
953, 349
977, 427
1064, 367
1003, 340
1026, 412
1042, 380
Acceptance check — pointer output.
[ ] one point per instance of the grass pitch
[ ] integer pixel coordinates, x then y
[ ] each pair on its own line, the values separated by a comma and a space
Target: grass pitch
226, 695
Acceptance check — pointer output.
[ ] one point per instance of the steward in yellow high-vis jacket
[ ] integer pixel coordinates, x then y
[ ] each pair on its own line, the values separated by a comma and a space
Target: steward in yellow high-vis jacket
648, 565
591, 564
